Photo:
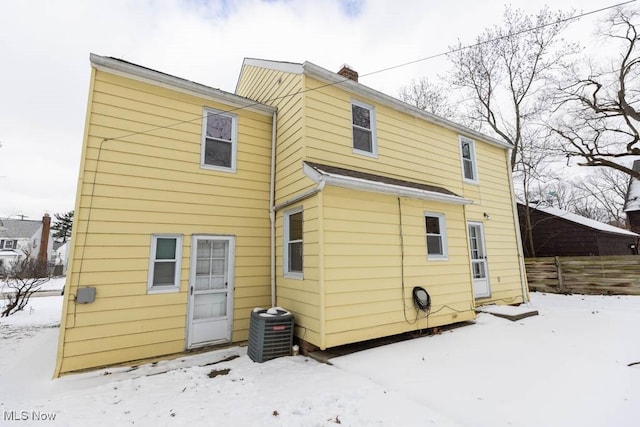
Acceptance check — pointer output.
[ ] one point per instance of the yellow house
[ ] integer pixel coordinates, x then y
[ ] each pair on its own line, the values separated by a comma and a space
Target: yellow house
172, 219
374, 198
305, 190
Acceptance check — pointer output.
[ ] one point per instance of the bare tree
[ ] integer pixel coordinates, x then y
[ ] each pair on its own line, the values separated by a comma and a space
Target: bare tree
505, 72
599, 107
427, 96
504, 75
602, 196
25, 276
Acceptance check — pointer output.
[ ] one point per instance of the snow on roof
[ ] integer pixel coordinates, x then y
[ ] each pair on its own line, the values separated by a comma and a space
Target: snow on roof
633, 196
18, 228
591, 223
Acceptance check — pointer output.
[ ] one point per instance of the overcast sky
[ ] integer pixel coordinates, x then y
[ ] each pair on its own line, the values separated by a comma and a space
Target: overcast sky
45, 46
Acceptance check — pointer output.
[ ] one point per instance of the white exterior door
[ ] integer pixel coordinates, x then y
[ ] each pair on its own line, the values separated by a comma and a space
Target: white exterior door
479, 271
210, 290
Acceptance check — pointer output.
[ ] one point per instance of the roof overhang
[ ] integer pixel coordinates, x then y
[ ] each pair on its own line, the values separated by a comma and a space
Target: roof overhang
323, 177
147, 75
327, 76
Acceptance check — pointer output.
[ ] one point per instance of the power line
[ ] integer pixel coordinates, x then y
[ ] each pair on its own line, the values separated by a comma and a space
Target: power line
382, 70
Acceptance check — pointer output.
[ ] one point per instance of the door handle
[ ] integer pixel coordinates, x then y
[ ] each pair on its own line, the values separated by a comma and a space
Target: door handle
191, 290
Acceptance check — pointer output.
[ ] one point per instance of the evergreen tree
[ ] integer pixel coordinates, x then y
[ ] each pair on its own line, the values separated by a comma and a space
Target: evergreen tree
62, 226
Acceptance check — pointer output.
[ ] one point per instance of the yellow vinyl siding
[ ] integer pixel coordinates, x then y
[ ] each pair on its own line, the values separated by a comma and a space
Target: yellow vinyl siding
281, 90
363, 265
151, 182
408, 148
302, 297
494, 198
414, 149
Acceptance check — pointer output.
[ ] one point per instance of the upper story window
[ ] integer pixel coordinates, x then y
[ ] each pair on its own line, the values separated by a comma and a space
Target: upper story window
436, 236
293, 254
219, 140
363, 119
468, 157
164, 263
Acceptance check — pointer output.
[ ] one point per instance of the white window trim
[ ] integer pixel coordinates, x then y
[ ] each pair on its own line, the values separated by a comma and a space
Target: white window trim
374, 139
152, 259
291, 274
443, 234
474, 162
234, 141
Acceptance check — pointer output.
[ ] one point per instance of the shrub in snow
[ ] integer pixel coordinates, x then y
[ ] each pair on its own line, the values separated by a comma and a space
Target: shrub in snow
24, 277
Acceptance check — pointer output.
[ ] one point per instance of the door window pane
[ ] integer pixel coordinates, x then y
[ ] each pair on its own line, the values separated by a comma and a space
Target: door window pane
207, 306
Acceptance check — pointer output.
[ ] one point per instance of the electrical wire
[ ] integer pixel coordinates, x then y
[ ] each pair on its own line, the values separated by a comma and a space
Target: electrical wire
382, 70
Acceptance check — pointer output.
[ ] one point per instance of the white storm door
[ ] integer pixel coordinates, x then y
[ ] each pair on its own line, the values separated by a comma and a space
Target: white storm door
481, 288
210, 290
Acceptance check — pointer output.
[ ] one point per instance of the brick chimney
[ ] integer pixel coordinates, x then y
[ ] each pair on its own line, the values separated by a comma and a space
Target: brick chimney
348, 72
44, 240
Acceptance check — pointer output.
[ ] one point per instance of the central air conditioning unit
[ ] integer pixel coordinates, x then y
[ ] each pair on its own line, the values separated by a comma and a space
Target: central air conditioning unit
270, 334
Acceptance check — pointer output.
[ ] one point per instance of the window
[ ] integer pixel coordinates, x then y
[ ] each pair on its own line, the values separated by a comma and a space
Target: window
164, 265
293, 243
436, 236
10, 244
219, 134
364, 135
468, 153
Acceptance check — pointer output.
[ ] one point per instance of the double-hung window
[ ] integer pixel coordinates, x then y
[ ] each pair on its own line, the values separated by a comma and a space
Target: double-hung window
293, 255
436, 230
164, 263
219, 140
468, 158
363, 120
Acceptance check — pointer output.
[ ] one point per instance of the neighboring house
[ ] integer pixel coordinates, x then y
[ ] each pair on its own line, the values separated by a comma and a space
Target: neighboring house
59, 258
560, 233
335, 201
632, 201
19, 237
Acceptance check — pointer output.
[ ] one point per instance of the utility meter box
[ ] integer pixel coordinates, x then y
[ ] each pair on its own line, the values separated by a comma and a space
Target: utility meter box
85, 295
270, 334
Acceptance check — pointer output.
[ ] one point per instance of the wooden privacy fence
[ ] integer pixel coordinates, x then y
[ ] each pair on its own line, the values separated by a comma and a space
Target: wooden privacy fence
602, 275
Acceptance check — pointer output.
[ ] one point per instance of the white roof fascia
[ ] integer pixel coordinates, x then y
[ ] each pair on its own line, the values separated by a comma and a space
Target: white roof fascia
156, 78
391, 102
380, 187
287, 67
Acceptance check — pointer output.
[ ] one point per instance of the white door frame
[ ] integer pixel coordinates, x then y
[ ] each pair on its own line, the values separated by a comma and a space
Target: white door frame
229, 289
481, 286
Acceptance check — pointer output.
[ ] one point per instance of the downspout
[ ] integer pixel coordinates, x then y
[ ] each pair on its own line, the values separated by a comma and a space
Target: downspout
516, 225
272, 211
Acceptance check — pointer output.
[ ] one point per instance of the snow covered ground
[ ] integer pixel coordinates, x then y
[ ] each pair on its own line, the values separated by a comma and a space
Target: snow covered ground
566, 367
51, 287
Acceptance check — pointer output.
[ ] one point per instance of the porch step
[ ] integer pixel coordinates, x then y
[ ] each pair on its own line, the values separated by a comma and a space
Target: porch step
513, 313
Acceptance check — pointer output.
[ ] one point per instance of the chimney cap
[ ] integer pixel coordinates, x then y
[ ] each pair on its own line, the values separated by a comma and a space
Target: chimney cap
347, 71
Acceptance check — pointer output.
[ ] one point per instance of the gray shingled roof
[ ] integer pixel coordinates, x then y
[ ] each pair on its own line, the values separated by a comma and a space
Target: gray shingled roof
18, 229
379, 178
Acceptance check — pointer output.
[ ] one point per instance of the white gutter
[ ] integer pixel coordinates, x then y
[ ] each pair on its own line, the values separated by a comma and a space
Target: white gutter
516, 226
301, 196
272, 212
380, 187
